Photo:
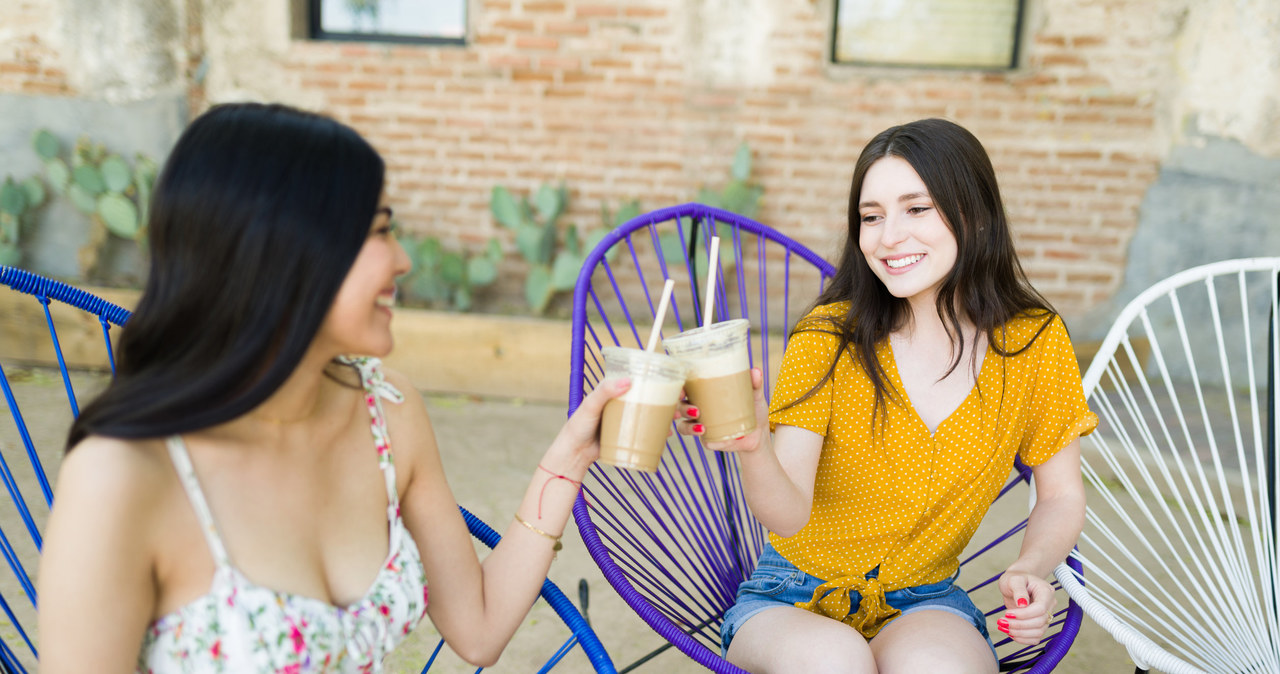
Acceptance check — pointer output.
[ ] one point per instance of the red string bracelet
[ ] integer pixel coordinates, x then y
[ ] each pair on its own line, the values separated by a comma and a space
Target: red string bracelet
554, 476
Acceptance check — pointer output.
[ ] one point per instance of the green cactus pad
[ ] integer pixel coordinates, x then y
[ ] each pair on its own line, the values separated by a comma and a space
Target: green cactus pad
564, 274
58, 173
116, 175
13, 199
83, 201
46, 144
119, 215
537, 288
89, 179
505, 208
481, 271
34, 190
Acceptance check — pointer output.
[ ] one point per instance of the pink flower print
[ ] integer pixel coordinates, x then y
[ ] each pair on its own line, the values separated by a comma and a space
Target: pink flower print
231, 598
295, 668
426, 592
384, 610
368, 400
216, 651
299, 641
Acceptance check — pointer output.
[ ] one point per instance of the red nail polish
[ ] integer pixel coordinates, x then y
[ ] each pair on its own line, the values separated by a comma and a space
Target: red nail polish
1003, 628
1022, 602
1009, 614
698, 428
691, 412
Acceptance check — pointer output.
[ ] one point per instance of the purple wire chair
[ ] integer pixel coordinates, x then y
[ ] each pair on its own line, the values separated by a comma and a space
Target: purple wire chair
81, 314
675, 544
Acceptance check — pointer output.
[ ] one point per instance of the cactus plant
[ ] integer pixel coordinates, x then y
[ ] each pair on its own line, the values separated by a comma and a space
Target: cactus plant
554, 259
18, 201
447, 279
103, 186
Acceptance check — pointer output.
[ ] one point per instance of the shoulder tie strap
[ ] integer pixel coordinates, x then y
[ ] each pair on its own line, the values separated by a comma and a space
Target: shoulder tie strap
377, 389
187, 473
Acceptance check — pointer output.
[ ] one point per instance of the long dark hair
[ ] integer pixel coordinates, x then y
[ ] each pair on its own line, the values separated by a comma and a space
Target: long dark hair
987, 284
256, 217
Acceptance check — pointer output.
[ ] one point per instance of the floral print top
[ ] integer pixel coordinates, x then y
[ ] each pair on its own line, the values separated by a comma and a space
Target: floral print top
242, 627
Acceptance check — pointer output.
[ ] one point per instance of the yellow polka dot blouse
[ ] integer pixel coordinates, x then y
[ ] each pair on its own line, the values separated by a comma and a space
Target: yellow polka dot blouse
897, 496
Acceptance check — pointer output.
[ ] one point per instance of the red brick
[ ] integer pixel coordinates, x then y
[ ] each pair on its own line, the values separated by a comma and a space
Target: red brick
368, 85
1082, 41
543, 6
521, 75
513, 24
566, 28
595, 11
537, 42
645, 12
559, 63
512, 60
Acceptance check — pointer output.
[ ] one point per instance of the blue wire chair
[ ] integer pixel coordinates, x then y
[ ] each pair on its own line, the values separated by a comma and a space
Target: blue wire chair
675, 544
18, 652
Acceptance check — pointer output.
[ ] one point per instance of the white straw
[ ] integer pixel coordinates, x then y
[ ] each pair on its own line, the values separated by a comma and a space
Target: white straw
709, 298
662, 312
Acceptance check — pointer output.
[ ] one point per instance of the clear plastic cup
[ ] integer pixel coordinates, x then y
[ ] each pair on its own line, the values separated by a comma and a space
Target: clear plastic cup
719, 379
634, 427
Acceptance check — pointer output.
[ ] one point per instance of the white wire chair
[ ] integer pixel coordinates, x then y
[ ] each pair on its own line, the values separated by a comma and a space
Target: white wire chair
1180, 534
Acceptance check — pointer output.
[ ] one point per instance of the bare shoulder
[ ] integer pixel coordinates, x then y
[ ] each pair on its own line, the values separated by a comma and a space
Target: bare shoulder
132, 468
412, 437
413, 409
114, 483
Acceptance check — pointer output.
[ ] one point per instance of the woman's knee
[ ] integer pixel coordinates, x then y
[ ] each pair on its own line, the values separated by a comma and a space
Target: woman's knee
787, 641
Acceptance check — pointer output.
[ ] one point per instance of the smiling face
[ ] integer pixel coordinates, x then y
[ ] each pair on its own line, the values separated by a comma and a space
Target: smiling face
359, 322
902, 234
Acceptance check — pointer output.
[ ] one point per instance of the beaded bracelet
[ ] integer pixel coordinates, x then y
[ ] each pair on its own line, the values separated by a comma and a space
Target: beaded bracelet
555, 539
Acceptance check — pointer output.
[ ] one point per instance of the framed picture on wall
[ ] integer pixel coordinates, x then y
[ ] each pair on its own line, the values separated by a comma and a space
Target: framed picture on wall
977, 34
425, 21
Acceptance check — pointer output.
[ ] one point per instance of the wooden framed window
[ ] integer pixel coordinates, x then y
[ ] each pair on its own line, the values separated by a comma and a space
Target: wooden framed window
979, 34
427, 21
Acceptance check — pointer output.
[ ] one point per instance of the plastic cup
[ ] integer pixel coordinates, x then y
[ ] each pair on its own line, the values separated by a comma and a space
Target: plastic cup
719, 379
634, 426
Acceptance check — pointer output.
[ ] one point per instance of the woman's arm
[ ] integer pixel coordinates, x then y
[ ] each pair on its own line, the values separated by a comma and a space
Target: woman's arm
96, 585
477, 607
1052, 529
778, 474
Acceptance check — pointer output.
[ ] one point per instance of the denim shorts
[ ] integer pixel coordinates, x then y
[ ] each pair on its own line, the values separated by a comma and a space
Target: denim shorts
777, 582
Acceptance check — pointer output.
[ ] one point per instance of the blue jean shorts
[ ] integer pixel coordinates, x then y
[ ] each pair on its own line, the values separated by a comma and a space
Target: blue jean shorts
777, 582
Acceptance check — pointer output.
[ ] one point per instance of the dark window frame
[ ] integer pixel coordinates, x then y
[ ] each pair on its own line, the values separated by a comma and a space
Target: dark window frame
1015, 50
316, 32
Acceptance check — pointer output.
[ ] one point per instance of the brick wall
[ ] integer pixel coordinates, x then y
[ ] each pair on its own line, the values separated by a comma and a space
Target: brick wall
647, 99
29, 64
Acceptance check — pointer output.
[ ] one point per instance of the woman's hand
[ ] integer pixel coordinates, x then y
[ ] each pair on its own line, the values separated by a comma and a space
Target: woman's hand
1030, 603
689, 424
579, 439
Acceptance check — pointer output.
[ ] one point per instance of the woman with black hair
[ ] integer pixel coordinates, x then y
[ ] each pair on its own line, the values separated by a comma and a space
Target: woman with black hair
253, 492
927, 364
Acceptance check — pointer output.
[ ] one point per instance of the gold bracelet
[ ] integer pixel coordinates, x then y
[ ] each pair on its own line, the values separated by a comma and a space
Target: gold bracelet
555, 539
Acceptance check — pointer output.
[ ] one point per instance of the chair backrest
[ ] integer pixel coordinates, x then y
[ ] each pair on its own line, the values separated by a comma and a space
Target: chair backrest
73, 328
1180, 537
675, 544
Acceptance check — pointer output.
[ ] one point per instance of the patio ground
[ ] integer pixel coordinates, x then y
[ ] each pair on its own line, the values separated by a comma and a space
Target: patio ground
490, 447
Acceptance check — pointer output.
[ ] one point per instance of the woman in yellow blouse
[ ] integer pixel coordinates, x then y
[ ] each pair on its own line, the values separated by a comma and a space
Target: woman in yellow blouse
926, 366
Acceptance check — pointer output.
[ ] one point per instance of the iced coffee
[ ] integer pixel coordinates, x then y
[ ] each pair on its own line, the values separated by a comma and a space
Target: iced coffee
719, 379
635, 425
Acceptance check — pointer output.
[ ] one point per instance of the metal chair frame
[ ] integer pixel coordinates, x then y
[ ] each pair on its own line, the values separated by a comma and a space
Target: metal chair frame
675, 544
